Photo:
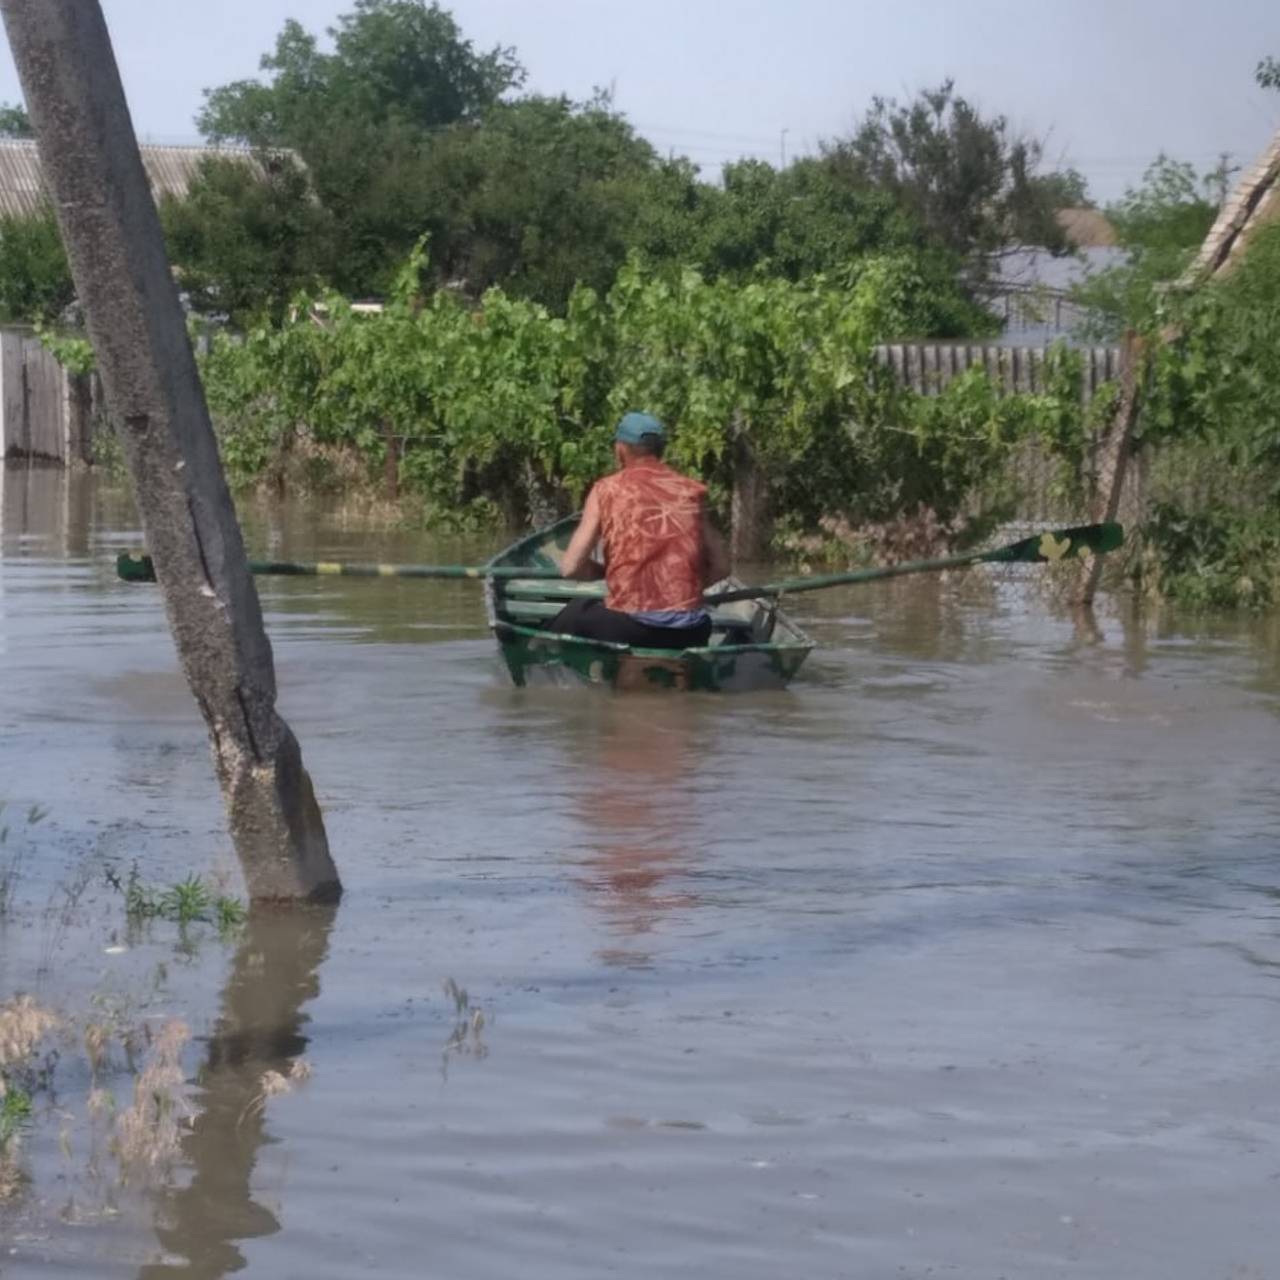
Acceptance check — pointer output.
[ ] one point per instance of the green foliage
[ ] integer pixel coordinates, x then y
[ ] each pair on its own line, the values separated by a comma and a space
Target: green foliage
509, 408
1161, 224
1218, 557
15, 1114
393, 60
140, 902
228, 913
247, 237
364, 118
1219, 381
186, 901
969, 181
73, 352
1268, 73
189, 901
406, 130
14, 121
539, 196
1214, 402
35, 279
1167, 212
795, 223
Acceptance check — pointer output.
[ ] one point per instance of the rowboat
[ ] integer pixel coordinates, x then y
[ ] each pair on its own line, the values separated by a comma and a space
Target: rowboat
753, 644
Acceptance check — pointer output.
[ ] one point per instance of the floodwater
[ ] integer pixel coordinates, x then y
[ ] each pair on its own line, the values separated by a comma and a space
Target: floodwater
960, 958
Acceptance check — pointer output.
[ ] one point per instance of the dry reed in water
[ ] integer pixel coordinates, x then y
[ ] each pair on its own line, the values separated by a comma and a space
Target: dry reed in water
149, 1131
274, 1083
23, 1024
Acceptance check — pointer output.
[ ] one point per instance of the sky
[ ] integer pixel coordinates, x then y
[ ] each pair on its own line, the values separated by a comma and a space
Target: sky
1107, 84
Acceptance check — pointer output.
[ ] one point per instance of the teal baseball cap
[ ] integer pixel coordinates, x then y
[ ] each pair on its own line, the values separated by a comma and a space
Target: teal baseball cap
635, 426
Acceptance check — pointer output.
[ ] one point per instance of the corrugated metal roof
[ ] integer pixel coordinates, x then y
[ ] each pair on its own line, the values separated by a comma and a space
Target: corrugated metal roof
170, 170
21, 188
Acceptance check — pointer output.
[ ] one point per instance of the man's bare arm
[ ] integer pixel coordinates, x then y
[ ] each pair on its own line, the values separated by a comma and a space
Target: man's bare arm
577, 562
715, 557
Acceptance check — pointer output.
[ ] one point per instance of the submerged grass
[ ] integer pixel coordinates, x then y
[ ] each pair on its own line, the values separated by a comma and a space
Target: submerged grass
12, 853
193, 900
23, 1025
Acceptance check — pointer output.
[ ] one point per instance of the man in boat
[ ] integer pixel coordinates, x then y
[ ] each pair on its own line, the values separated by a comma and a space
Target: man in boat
660, 549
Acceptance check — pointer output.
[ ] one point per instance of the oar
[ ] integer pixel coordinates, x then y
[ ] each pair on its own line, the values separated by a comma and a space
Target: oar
135, 566
1042, 548
1091, 539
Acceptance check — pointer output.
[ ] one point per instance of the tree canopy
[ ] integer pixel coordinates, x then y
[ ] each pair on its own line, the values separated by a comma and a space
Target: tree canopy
1160, 224
390, 126
973, 185
406, 128
393, 61
14, 121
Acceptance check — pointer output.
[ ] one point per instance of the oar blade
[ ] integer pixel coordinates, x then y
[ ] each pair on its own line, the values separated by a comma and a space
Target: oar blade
134, 566
1061, 544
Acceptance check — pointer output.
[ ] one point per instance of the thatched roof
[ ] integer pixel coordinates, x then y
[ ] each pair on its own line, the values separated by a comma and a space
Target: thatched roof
1255, 200
1087, 228
170, 169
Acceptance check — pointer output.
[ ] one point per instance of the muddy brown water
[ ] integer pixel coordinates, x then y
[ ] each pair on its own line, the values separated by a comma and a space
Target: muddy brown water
959, 958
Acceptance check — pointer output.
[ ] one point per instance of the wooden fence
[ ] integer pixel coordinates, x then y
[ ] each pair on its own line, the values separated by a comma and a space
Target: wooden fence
46, 413
1032, 473
927, 367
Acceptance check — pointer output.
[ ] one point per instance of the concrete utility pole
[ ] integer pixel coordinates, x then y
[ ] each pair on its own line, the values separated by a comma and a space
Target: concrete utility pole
112, 233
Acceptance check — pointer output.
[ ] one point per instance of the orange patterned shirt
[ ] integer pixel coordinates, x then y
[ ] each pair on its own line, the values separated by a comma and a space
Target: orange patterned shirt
651, 526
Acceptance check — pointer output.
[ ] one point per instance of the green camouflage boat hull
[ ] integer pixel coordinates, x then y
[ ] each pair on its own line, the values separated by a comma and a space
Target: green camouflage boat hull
752, 646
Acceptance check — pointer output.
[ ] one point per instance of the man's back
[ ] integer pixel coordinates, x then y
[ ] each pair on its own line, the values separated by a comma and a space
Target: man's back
651, 524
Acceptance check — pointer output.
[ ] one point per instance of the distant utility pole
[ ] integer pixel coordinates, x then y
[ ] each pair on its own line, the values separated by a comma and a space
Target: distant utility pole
1222, 175
782, 148
93, 171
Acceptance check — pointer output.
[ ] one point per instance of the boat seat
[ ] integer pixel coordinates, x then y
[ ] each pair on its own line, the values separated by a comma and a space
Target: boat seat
535, 612
550, 588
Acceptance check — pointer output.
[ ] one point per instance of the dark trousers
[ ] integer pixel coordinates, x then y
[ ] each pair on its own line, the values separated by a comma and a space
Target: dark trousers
590, 618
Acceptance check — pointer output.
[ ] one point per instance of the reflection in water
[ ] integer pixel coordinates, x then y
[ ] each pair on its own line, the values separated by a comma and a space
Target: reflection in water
47, 506
634, 784
259, 1030
1088, 632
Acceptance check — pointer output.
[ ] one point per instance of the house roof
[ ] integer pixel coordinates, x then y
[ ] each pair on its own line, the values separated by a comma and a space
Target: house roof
1255, 200
1087, 228
170, 169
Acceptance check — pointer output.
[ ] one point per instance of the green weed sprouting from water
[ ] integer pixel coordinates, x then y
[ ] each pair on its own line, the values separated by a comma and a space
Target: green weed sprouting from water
229, 913
15, 1115
11, 863
190, 901
140, 902
187, 901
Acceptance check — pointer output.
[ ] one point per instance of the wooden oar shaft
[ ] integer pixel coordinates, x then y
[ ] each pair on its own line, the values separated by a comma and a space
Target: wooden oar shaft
1041, 548
139, 568
355, 569
1093, 539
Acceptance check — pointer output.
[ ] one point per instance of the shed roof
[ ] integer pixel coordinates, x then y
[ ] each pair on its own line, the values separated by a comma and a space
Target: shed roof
1087, 228
1255, 200
170, 169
